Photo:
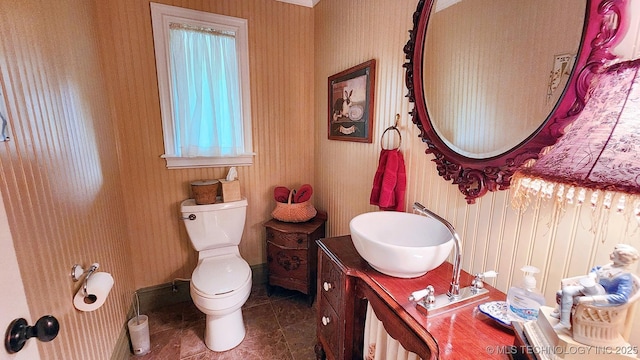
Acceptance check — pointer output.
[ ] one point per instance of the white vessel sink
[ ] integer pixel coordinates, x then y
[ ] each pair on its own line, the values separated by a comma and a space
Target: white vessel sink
401, 244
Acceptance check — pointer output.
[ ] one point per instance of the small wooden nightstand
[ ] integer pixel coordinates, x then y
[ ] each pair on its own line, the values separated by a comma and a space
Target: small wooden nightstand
292, 254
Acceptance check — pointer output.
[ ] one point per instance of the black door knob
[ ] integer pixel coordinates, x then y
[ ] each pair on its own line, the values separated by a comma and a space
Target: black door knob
45, 329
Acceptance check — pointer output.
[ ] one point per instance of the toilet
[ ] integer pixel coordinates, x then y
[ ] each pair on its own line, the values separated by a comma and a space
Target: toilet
221, 282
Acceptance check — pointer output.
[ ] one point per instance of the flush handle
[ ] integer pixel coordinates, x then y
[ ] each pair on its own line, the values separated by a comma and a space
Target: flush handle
190, 217
45, 329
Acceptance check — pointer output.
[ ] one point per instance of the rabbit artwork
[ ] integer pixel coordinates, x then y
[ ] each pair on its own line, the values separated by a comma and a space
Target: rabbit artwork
341, 106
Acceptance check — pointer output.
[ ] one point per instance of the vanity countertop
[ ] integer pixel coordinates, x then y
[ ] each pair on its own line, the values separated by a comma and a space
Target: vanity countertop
461, 330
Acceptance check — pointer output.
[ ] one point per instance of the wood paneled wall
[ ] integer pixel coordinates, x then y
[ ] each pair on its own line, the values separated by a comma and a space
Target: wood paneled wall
281, 74
561, 243
60, 177
82, 180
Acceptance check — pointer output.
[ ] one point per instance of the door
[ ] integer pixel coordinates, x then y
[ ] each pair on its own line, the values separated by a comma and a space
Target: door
13, 300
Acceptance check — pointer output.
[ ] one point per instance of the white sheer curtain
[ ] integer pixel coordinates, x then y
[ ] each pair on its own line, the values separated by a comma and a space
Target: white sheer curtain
207, 100
378, 344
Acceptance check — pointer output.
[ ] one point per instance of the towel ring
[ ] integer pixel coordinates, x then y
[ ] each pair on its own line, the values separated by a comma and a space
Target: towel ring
393, 127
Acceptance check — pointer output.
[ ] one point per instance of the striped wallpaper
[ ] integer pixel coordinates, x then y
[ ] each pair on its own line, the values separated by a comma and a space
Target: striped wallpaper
60, 177
82, 180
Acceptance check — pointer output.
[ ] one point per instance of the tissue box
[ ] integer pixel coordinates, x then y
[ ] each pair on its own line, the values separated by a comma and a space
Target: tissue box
230, 190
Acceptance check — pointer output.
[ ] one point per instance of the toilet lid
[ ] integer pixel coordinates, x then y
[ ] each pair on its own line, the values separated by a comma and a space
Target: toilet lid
220, 274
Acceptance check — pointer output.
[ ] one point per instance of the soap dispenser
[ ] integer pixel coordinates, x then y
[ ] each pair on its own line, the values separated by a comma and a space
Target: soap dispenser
524, 300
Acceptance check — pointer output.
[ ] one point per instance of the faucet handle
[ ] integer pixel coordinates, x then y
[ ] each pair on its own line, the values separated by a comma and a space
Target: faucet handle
430, 299
420, 294
478, 280
428, 294
489, 274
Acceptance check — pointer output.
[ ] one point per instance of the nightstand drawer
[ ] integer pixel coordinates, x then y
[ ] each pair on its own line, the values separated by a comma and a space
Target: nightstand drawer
288, 240
287, 263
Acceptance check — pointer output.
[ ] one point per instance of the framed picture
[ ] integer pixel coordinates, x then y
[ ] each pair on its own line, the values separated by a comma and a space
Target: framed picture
351, 103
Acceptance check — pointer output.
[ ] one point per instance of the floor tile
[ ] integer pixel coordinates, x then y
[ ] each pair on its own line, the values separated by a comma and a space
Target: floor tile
192, 340
257, 297
301, 338
260, 320
165, 345
165, 318
294, 310
279, 327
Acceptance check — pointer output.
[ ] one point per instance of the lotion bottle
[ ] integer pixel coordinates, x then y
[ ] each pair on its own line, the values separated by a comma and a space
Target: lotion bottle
524, 300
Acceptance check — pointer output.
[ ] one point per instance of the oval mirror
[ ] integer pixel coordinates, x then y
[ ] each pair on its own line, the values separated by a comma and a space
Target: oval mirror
493, 83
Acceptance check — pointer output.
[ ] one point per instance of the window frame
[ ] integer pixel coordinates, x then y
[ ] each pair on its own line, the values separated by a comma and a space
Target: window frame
161, 16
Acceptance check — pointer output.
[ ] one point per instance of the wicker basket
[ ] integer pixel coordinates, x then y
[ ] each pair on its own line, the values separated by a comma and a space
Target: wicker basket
205, 191
294, 213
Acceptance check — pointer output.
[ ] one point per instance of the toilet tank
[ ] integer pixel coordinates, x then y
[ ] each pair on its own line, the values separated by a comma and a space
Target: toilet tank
214, 226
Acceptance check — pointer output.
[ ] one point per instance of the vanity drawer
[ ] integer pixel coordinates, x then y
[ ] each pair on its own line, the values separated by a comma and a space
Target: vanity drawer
329, 325
331, 282
288, 240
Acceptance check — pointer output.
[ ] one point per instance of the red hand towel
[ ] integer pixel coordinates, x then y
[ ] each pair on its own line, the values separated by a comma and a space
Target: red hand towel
303, 194
389, 182
377, 179
281, 194
401, 184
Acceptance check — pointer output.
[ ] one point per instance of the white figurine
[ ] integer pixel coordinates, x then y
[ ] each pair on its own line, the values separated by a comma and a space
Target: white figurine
610, 284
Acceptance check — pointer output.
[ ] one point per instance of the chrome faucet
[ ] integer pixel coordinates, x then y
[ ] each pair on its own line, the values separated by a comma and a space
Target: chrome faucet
454, 288
455, 294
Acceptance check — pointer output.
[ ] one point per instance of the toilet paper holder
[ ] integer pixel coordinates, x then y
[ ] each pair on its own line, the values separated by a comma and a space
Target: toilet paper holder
77, 271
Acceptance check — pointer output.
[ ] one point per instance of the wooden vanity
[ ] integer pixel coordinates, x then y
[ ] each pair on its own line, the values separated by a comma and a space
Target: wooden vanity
346, 283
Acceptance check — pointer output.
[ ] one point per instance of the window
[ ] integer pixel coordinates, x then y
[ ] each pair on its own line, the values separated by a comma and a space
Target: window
203, 79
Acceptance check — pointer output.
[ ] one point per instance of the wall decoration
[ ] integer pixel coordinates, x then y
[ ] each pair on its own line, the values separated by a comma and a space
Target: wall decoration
4, 130
351, 103
562, 66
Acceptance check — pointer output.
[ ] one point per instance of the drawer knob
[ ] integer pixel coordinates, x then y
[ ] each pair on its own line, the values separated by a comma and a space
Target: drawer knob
326, 320
326, 286
300, 240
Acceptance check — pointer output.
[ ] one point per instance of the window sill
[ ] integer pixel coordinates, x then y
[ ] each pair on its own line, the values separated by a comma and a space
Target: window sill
174, 162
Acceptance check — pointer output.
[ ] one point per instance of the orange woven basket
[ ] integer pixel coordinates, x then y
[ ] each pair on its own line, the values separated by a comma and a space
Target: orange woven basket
289, 212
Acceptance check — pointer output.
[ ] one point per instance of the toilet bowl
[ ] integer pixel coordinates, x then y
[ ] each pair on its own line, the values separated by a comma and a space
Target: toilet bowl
220, 285
221, 282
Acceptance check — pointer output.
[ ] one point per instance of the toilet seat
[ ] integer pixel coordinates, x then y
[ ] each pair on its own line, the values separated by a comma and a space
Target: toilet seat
219, 276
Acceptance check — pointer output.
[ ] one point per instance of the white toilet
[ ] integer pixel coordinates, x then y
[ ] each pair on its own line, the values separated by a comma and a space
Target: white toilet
221, 282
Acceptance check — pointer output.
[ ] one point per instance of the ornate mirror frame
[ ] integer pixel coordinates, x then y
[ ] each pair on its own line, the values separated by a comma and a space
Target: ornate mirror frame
605, 23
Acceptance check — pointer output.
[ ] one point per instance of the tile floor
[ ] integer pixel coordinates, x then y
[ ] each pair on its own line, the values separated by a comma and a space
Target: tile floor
281, 326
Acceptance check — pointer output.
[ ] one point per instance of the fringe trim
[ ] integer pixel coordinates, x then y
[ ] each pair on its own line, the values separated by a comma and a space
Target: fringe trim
530, 190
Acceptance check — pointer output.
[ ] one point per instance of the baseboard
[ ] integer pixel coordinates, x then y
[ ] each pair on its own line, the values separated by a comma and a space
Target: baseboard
158, 296
122, 350
259, 273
